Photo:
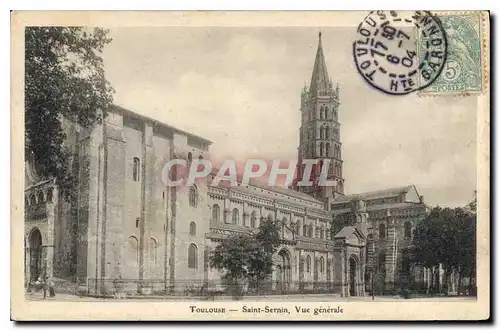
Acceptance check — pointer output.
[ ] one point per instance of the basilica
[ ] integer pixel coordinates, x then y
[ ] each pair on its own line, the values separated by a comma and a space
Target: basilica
125, 226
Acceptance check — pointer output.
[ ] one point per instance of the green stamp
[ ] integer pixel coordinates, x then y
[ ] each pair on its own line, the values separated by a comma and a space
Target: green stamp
462, 71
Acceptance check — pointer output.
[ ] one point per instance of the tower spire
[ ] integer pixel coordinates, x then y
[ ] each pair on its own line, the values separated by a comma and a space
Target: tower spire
319, 78
320, 131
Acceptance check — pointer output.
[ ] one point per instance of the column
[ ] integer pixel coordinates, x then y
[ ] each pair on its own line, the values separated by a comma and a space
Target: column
391, 255
111, 229
147, 212
301, 269
361, 282
327, 270
246, 215
27, 260
226, 217
338, 269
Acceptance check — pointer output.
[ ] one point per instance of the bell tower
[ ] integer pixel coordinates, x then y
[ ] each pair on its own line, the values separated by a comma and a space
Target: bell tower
320, 130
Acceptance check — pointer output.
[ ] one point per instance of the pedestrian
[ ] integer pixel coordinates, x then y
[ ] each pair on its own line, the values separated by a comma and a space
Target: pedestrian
50, 284
119, 287
45, 288
38, 284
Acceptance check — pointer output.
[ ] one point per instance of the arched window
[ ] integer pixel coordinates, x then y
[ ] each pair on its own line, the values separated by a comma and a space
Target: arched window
321, 146
327, 132
297, 228
304, 230
136, 169
326, 112
40, 197
321, 133
308, 263
253, 219
192, 229
193, 257
133, 251
193, 196
321, 112
215, 213
381, 261
381, 230
405, 261
49, 194
327, 149
153, 251
321, 264
236, 216
32, 199
407, 229
310, 231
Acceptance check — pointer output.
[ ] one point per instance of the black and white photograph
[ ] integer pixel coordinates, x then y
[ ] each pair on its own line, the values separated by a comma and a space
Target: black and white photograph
251, 165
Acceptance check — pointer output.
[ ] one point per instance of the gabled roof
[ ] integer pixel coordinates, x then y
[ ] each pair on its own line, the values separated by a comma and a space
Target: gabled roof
391, 192
347, 231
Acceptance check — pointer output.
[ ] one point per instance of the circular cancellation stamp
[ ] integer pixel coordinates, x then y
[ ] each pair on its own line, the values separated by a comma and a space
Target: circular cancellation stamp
400, 52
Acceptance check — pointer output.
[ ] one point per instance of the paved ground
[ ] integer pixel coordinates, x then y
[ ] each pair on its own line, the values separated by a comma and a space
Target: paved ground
38, 296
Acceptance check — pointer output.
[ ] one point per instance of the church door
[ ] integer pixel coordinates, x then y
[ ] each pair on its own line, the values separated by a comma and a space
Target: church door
35, 241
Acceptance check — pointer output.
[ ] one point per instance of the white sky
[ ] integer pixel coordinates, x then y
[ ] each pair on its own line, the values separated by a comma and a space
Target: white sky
240, 88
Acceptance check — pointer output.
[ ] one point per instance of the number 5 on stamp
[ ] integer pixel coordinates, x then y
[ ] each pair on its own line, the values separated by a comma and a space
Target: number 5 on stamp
462, 71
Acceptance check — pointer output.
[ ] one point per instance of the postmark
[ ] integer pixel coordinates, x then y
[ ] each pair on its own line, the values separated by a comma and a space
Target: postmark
389, 56
462, 72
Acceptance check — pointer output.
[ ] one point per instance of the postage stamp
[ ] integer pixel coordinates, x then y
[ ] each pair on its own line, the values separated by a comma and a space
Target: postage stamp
177, 167
463, 68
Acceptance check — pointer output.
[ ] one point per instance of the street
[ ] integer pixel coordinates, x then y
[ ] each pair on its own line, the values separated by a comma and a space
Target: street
38, 296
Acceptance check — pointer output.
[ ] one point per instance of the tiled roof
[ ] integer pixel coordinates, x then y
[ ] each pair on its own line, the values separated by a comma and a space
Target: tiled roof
253, 182
135, 114
391, 192
379, 207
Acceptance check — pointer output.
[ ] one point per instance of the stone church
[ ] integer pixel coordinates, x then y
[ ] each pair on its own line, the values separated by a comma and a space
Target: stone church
126, 226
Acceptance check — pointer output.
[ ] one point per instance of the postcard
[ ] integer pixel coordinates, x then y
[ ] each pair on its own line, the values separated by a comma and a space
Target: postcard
250, 165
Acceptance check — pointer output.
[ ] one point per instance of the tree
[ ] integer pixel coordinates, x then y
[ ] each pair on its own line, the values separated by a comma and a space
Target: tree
269, 235
446, 237
247, 258
64, 78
